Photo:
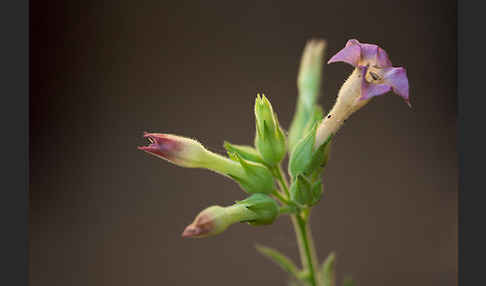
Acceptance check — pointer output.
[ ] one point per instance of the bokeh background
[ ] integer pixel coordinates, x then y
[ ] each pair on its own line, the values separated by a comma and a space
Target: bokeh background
102, 72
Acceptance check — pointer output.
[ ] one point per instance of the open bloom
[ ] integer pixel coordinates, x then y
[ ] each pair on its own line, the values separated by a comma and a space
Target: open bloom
377, 74
373, 75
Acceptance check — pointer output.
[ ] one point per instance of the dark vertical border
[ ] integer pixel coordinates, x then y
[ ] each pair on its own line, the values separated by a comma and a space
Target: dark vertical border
471, 109
14, 87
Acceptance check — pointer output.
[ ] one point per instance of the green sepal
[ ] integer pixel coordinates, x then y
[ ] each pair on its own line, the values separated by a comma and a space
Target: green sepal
303, 124
258, 179
304, 192
319, 159
304, 160
265, 208
281, 260
315, 119
301, 157
327, 272
246, 152
269, 139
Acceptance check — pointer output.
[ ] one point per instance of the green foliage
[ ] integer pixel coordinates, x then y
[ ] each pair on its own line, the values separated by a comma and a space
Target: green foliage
327, 272
348, 281
281, 260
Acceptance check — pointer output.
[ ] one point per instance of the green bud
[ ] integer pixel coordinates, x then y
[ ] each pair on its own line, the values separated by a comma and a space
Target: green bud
265, 209
316, 117
269, 139
304, 192
309, 78
304, 159
308, 83
256, 177
258, 209
246, 152
252, 177
211, 221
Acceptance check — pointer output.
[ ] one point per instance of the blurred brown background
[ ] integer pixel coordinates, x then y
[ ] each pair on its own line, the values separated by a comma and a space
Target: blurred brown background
102, 72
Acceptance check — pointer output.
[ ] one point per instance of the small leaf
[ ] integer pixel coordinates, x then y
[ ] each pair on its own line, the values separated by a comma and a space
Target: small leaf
327, 271
348, 281
281, 260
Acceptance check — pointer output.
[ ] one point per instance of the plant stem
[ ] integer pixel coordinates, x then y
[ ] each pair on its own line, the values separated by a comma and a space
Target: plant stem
279, 196
282, 180
303, 233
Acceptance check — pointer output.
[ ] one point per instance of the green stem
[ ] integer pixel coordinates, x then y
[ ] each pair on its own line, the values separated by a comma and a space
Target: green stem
279, 196
302, 230
310, 240
286, 210
282, 180
304, 233
300, 241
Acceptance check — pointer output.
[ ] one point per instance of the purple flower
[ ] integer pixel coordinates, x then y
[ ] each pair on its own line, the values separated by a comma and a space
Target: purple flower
378, 75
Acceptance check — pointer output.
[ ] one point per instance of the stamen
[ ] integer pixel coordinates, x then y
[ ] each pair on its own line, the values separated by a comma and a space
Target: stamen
374, 75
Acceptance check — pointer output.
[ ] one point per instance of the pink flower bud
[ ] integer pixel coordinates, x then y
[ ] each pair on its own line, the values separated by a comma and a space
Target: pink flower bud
178, 150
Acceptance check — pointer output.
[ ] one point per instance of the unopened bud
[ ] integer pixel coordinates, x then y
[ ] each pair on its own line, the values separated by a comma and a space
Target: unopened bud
270, 139
308, 83
252, 177
265, 209
309, 78
178, 150
304, 192
258, 209
305, 158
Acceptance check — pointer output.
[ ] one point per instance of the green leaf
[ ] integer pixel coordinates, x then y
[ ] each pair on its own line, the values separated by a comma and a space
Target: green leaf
281, 260
348, 281
327, 271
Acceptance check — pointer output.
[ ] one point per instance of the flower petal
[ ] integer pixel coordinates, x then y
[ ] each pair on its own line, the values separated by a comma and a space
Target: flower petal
382, 58
350, 54
356, 53
369, 90
397, 79
374, 55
